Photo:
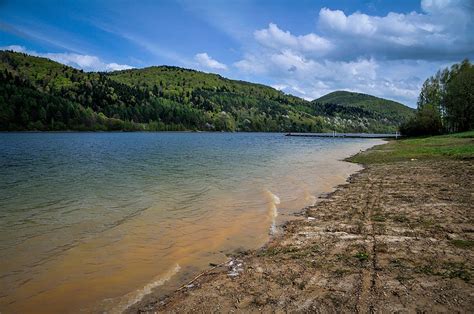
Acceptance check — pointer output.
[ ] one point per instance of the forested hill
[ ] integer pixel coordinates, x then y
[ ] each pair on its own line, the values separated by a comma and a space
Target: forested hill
40, 94
390, 109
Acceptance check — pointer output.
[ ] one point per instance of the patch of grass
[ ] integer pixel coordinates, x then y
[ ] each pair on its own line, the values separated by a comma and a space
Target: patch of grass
272, 251
447, 270
452, 146
463, 244
400, 219
425, 222
456, 270
378, 218
425, 269
469, 134
362, 256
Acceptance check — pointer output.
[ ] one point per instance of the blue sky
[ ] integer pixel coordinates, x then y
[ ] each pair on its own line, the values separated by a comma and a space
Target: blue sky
306, 48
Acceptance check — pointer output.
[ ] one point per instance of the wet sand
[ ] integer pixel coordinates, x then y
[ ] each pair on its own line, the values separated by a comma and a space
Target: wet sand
397, 237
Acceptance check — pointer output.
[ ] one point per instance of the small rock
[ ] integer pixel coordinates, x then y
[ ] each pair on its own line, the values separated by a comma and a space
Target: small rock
451, 236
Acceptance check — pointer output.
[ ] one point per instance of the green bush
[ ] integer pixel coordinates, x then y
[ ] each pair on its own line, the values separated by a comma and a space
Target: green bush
427, 121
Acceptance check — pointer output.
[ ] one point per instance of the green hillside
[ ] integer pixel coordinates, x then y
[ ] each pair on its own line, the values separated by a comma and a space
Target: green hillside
40, 94
392, 110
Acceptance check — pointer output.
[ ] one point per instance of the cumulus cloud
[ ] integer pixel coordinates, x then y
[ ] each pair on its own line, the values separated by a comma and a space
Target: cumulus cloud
205, 61
441, 32
85, 62
357, 23
312, 78
274, 37
387, 56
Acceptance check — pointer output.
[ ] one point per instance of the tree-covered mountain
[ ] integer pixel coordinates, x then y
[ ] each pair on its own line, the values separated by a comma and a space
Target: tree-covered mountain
40, 94
393, 111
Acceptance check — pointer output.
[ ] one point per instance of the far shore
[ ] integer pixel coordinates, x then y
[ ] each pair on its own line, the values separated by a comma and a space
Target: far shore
397, 237
188, 131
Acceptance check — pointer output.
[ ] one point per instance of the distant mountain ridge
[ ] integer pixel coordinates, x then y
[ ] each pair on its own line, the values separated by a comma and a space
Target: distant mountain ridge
388, 108
40, 94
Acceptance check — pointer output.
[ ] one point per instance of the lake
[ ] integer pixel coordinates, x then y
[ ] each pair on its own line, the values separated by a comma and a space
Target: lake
94, 221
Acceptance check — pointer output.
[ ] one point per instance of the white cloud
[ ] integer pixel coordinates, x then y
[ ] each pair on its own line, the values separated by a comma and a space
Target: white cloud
357, 23
117, 67
85, 62
441, 32
205, 61
274, 37
251, 64
388, 56
310, 78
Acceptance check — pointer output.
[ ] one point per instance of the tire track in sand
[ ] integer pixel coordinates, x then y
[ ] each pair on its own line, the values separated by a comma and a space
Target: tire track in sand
367, 290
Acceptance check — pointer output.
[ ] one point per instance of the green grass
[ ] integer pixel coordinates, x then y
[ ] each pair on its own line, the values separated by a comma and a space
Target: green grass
400, 219
362, 256
378, 218
452, 146
463, 244
446, 270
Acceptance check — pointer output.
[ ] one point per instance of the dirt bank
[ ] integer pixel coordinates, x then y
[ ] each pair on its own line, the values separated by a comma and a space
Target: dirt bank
398, 237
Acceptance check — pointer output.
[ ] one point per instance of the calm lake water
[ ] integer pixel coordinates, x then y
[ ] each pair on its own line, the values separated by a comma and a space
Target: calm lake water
94, 221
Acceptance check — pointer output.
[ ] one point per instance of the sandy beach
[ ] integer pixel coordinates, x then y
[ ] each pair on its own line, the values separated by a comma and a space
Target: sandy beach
397, 237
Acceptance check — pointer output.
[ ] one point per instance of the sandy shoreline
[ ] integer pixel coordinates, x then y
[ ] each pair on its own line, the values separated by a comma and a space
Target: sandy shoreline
392, 239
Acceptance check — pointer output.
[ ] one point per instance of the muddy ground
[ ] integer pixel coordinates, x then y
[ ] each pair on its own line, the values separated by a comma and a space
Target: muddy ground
398, 238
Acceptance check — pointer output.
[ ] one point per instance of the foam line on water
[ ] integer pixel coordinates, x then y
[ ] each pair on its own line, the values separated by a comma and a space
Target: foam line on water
137, 295
274, 200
